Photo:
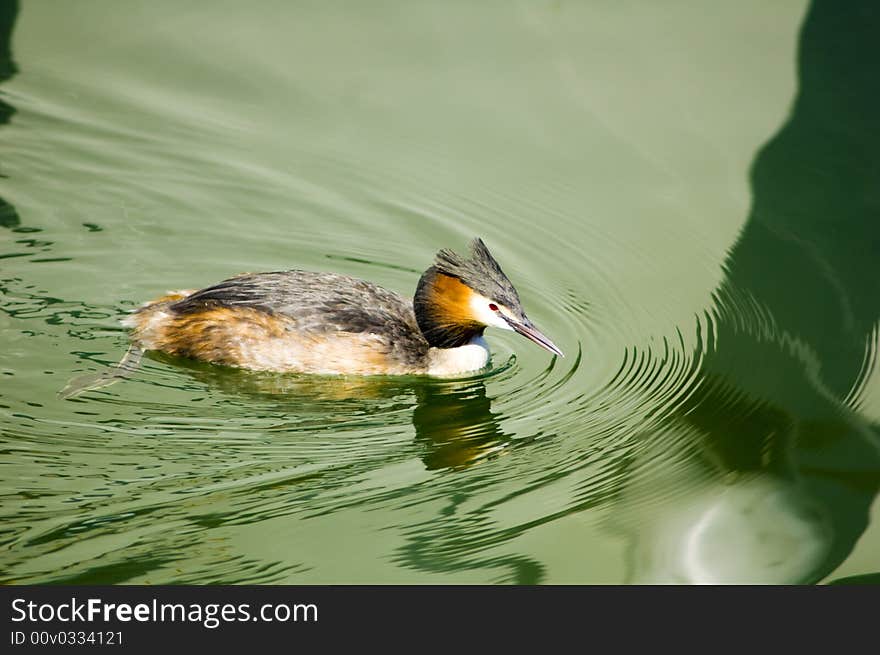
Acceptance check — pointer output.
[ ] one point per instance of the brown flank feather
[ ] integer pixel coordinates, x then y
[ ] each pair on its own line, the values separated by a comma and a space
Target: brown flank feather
246, 337
208, 335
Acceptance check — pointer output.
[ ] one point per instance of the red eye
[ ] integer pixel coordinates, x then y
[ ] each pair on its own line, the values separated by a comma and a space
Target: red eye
493, 306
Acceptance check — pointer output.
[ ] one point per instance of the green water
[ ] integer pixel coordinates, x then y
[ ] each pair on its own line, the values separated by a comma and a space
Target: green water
685, 194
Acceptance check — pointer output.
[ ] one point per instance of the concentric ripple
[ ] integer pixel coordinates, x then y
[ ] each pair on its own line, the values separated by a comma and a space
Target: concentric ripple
692, 397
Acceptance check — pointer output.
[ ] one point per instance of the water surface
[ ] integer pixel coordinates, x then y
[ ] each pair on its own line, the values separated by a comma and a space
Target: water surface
686, 200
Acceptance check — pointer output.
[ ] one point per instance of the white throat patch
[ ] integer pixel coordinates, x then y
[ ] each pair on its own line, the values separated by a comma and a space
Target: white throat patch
471, 357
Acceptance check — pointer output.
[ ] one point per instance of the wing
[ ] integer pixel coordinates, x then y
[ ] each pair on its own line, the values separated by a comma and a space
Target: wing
317, 303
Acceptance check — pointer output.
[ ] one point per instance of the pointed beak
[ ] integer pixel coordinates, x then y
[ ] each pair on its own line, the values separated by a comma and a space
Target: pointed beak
529, 331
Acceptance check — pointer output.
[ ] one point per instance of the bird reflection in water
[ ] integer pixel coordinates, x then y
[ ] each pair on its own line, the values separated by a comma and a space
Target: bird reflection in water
454, 424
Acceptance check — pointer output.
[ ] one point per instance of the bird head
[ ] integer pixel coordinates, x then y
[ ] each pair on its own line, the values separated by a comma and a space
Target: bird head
458, 297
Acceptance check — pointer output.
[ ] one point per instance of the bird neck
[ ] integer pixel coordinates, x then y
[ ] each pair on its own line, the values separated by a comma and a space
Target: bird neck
442, 308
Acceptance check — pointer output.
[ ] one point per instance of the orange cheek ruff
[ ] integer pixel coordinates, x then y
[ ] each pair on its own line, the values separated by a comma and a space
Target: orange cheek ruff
451, 300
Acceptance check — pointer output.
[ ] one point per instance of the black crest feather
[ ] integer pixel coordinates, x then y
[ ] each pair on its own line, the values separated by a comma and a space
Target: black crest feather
481, 272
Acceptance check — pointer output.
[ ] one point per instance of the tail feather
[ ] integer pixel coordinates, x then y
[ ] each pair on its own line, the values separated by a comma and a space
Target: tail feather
127, 365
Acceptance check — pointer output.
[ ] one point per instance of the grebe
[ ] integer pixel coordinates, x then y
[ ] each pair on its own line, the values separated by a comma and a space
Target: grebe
325, 323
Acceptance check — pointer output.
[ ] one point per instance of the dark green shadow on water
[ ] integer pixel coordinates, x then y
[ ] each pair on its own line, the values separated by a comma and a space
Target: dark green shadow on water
780, 382
867, 579
8, 13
